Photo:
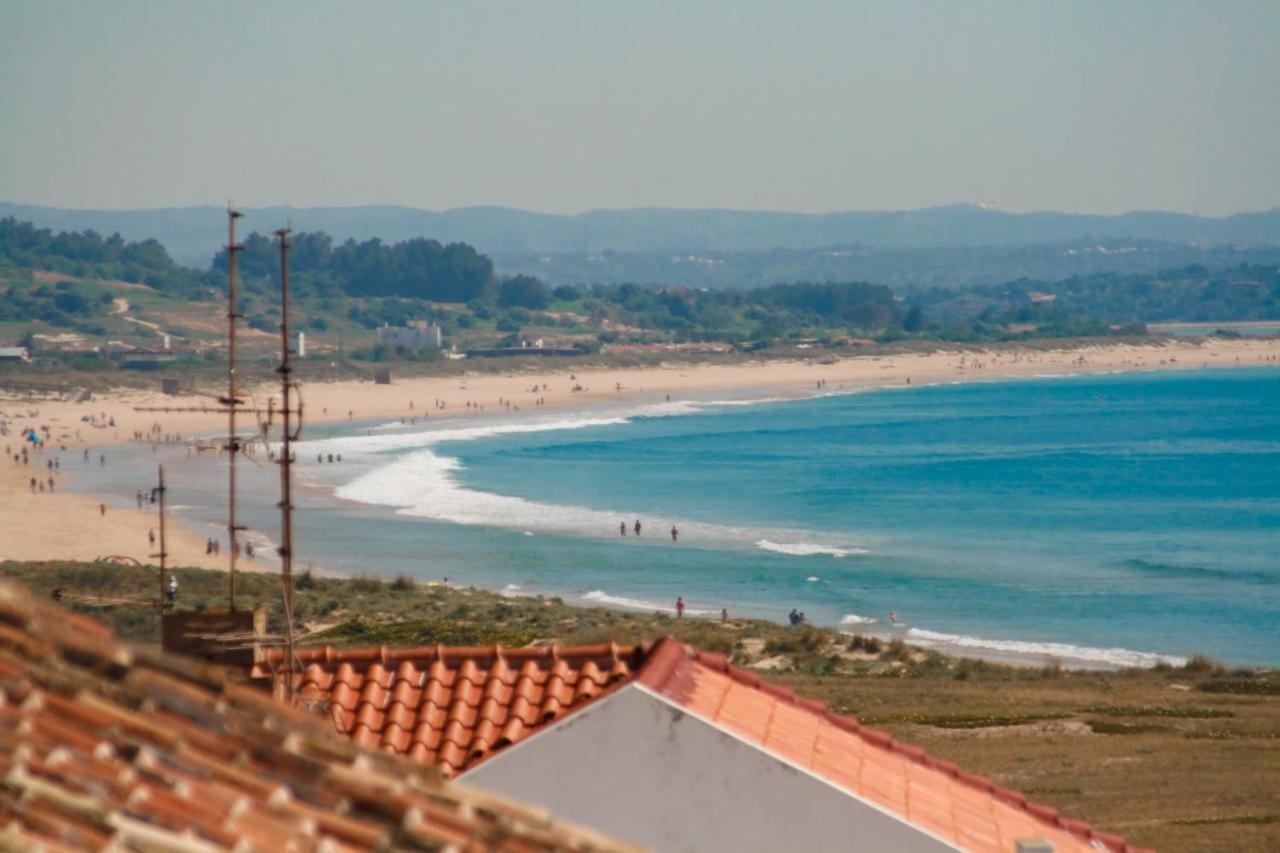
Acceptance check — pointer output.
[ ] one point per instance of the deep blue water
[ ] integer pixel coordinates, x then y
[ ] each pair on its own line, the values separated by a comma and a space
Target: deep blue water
1129, 512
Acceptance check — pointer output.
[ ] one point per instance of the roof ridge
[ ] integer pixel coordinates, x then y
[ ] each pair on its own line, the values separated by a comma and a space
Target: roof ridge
877, 737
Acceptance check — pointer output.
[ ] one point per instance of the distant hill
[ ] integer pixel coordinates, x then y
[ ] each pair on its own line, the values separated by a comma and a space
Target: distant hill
193, 234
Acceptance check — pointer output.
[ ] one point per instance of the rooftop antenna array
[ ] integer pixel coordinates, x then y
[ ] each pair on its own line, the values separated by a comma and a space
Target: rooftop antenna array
232, 401
289, 432
158, 494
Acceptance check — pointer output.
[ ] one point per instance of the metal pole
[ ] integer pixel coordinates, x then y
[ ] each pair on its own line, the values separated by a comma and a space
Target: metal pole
233, 400
159, 490
286, 435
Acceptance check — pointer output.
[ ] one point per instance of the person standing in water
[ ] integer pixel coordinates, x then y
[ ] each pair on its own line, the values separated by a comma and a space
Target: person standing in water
637, 527
622, 528
675, 534
679, 606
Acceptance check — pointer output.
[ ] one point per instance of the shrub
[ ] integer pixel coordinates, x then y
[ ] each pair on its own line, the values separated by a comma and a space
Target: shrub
305, 581
1201, 664
897, 650
403, 584
799, 639
365, 584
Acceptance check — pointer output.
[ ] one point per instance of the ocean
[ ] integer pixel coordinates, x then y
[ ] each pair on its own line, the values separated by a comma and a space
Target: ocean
1098, 520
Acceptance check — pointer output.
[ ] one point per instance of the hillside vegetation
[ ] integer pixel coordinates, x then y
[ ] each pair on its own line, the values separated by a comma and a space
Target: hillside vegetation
64, 294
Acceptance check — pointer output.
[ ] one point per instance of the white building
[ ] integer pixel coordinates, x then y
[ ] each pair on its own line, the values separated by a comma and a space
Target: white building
416, 334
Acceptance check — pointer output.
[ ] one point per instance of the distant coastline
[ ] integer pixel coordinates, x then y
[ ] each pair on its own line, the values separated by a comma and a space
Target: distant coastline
68, 525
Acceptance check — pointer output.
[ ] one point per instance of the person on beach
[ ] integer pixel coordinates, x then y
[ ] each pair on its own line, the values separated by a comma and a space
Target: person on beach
679, 606
724, 615
151, 537
675, 534
637, 527
102, 509
622, 528
893, 617
248, 550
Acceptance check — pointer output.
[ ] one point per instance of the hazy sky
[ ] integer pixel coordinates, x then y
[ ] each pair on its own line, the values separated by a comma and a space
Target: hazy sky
566, 106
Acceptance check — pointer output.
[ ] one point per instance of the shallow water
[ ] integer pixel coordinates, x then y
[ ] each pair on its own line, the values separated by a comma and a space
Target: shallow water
1101, 520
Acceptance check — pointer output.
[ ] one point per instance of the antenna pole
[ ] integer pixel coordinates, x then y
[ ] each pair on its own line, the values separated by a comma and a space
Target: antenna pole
163, 554
286, 458
232, 400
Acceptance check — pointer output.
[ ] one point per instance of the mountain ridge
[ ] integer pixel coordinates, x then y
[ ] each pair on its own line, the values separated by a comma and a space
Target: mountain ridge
192, 234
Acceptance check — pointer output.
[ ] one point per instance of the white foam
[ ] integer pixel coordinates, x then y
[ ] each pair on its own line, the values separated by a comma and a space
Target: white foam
855, 619
754, 401
813, 579
1064, 652
807, 549
599, 596
433, 437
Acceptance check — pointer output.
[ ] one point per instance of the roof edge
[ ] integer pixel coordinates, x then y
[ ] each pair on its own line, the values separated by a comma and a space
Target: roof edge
669, 666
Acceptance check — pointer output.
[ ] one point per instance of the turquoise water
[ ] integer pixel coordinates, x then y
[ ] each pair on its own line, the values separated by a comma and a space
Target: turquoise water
1094, 519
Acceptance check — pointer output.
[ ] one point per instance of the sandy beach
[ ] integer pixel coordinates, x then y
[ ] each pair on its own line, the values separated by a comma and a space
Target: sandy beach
59, 524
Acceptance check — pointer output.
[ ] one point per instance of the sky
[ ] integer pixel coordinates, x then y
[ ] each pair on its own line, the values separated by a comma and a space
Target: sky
561, 107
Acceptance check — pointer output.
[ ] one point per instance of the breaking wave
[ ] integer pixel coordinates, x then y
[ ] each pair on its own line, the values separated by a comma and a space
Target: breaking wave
599, 596
1065, 652
424, 484
807, 549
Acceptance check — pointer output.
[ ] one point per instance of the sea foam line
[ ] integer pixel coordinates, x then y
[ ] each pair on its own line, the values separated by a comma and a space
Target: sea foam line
807, 549
1065, 652
423, 483
599, 596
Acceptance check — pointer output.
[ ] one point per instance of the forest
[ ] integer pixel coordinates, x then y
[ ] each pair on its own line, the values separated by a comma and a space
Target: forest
64, 279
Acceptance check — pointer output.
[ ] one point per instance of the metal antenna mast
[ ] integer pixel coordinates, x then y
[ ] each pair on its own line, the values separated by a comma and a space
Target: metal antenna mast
288, 432
158, 491
231, 401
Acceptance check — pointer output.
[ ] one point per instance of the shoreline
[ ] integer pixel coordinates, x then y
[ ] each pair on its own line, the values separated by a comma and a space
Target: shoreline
70, 525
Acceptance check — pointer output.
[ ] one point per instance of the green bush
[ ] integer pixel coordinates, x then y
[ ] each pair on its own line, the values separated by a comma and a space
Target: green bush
798, 639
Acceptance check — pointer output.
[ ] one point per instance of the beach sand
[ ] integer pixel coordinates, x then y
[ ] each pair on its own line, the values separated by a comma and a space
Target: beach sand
64, 525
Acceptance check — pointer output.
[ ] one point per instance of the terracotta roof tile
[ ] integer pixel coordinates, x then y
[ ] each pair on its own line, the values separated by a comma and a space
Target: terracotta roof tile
103, 745
963, 808
452, 707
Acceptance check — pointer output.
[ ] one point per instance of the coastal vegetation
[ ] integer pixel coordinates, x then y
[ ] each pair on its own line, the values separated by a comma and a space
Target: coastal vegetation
64, 295
1133, 751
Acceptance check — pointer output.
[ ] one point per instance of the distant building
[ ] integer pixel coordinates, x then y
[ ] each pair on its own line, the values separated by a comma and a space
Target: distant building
143, 358
416, 334
81, 348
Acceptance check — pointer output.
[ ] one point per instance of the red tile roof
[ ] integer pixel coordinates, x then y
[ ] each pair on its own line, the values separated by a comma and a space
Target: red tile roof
106, 745
454, 707
964, 809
